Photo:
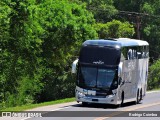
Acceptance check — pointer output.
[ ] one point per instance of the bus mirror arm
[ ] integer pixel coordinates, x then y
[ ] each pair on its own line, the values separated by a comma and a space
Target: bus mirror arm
74, 66
120, 81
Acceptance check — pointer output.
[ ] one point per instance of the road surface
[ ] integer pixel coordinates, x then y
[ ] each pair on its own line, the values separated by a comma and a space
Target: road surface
148, 109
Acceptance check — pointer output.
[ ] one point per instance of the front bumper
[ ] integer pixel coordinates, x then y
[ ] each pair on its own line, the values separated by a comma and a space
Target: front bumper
89, 96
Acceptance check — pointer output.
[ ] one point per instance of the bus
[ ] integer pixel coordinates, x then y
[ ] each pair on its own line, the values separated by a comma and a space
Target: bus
111, 71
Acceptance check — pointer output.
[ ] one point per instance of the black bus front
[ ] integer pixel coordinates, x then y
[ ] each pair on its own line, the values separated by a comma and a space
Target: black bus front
97, 74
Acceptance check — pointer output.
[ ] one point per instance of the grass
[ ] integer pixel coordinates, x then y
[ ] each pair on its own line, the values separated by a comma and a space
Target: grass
156, 89
31, 106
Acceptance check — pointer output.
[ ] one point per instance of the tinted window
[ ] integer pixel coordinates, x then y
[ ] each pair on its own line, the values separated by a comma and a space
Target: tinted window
99, 55
135, 52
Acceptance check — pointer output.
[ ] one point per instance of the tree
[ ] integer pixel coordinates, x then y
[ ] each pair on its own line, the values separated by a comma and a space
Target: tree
4, 55
144, 15
39, 40
154, 76
21, 70
66, 26
114, 29
151, 27
103, 10
128, 5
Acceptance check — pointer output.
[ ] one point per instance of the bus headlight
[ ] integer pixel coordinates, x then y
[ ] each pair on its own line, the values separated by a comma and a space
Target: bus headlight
80, 94
110, 96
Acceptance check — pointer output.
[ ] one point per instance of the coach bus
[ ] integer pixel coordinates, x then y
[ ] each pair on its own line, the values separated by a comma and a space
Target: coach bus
111, 71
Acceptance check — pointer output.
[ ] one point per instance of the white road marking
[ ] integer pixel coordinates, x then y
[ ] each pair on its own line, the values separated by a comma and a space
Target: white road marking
60, 108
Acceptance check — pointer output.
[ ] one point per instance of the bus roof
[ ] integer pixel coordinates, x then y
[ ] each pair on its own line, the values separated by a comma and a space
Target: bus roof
119, 42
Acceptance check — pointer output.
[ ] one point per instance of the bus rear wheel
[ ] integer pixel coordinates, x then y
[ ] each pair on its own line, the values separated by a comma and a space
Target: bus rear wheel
141, 95
137, 98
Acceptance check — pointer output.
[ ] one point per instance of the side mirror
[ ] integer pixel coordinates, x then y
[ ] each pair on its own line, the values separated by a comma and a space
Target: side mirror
74, 66
121, 82
120, 73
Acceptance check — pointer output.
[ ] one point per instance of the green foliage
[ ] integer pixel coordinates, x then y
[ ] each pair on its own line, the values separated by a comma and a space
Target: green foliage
66, 26
128, 5
103, 10
114, 29
147, 8
31, 106
21, 48
154, 76
38, 42
151, 27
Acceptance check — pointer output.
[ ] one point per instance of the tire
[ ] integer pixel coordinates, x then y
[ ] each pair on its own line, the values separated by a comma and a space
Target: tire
137, 98
122, 100
84, 103
141, 95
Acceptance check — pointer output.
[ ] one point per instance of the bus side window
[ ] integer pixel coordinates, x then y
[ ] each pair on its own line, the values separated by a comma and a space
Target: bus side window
139, 52
135, 54
130, 54
122, 57
124, 54
143, 52
147, 51
139, 55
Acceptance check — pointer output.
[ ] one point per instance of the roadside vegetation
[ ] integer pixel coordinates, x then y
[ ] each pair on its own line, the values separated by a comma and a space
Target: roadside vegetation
39, 39
31, 106
154, 76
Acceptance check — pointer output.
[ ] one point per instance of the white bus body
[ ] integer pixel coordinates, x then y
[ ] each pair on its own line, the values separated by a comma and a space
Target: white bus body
112, 71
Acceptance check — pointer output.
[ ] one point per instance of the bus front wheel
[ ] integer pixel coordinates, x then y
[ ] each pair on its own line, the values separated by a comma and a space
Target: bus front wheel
84, 103
122, 100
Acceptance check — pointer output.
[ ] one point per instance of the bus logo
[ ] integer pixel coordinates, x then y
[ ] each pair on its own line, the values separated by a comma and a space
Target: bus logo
98, 62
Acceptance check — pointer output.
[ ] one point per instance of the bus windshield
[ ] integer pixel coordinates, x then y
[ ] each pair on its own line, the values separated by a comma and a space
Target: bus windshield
95, 77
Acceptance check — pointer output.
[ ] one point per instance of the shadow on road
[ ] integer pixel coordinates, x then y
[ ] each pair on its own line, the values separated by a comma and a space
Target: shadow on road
104, 106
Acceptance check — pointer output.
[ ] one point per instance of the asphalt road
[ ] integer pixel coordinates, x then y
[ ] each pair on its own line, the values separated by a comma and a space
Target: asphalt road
148, 109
